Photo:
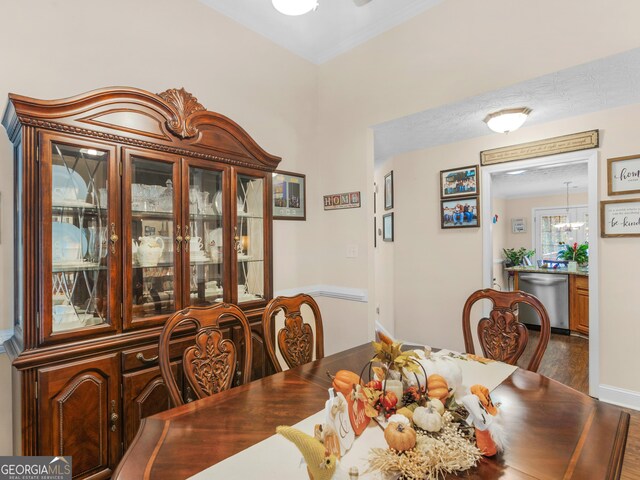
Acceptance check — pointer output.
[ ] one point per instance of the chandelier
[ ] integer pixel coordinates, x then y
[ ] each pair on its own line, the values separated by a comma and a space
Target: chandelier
568, 226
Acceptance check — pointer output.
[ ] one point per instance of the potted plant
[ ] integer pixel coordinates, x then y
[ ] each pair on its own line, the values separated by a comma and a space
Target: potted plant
575, 254
514, 258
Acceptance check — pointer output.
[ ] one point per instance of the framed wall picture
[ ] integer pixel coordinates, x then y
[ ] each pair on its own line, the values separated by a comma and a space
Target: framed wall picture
460, 213
387, 227
623, 175
518, 225
289, 196
459, 182
388, 191
620, 218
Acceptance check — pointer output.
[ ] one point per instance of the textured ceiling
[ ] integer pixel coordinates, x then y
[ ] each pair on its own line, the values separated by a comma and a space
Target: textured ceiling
541, 181
606, 83
335, 27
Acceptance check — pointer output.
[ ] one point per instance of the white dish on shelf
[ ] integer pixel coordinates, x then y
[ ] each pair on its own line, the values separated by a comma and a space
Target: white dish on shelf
247, 297
74, 263
67, 185
217, 203
64, 237
72, 203
242, 256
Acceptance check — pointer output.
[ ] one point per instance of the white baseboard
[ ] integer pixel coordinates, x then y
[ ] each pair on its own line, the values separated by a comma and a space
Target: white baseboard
331, 291
4, 336
620, 396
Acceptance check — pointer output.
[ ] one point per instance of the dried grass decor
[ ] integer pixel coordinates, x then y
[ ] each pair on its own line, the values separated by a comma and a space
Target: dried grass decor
434, 455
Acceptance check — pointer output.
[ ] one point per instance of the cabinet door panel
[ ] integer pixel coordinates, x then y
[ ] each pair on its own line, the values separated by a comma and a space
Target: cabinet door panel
79, 414
80, 253
144, 394
251, 237
205, 208
152, 222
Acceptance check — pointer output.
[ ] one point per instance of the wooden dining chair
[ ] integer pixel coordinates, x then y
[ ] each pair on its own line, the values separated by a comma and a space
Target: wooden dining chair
210, 364
301, 324
501, 336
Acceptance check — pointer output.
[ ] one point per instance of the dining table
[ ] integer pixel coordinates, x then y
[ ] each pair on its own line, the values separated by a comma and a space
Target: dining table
554, 432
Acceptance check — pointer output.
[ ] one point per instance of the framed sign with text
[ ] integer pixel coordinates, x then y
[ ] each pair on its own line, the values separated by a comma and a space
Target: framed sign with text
620, 218
340, 201
623, 175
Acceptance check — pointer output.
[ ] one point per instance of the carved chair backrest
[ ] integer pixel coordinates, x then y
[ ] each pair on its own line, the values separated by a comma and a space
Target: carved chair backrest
295, 340
210, 364
501, 336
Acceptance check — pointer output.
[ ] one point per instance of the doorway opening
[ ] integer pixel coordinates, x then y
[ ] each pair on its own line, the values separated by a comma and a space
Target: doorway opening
545, 206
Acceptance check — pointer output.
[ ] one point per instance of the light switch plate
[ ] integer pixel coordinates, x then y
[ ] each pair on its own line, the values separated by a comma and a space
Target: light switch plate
352, 251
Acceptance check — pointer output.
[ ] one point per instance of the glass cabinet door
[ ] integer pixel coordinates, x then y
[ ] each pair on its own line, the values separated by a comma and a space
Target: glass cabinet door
205, 245
249, 238
152, 223
83, 250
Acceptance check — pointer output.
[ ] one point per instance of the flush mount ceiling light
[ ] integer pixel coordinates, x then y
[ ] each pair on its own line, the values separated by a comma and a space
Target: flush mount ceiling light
294, 7
507, 120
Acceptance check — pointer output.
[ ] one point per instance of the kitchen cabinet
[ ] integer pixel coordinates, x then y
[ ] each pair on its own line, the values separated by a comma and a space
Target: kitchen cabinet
579, 308
578, 295
129, 206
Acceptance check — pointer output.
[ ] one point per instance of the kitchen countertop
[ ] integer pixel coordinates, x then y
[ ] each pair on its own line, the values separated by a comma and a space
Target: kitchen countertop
556, 271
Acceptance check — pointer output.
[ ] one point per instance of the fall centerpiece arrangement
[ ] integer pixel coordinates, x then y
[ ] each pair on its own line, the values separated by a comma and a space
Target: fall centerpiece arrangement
430, 425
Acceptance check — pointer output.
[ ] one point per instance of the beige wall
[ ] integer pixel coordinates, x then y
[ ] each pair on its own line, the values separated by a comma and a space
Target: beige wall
52, 49
449, 53
318, 119
454, 258
384, 265
499, 236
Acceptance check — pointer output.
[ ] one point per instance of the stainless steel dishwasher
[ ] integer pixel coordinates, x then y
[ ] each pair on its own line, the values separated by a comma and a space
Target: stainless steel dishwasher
552, 289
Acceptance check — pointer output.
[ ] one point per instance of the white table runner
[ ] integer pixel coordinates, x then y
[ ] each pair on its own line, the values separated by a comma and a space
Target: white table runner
276, 457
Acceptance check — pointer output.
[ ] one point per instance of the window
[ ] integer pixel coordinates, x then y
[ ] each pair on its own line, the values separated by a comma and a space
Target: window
548, 237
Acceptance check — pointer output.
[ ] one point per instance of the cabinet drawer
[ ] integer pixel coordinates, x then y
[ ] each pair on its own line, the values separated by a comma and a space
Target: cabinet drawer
147, 355
582, 282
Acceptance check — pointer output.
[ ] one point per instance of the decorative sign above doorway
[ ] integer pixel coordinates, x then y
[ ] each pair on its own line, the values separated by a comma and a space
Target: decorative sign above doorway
541, 148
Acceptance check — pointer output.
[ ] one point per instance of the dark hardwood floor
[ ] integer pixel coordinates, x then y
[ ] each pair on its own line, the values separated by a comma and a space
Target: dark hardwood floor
567, 361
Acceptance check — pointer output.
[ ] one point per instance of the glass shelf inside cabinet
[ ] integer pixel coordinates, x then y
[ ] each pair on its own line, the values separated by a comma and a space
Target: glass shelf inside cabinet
206, 258
249, 238
153, 230
79, 236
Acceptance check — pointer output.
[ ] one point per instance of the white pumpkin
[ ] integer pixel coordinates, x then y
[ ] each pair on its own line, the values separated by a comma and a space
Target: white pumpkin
437, 405
398, 418
427, 418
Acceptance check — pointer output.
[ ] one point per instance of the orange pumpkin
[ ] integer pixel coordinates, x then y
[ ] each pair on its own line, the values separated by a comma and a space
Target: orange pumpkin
437, 387
400, 437
344, 381
482, 393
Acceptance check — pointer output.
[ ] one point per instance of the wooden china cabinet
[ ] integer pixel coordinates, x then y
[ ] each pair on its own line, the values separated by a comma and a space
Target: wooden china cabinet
129, 206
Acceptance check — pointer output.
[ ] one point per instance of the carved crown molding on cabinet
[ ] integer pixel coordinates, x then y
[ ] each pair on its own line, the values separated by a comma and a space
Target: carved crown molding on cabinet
185, 104
58, 127
172, 121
